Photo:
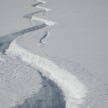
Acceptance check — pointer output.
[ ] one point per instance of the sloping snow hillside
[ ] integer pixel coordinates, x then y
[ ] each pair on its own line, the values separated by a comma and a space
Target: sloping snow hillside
36, 39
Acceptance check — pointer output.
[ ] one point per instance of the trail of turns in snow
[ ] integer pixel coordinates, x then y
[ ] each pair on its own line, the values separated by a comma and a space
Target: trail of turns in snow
73, 89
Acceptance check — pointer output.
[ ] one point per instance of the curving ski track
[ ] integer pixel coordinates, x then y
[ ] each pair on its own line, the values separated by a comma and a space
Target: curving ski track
45, 36
29, 16
73, 90
7, 39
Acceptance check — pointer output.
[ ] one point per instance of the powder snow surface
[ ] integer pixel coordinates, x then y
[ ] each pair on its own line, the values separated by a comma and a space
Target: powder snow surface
73, 89
18, 81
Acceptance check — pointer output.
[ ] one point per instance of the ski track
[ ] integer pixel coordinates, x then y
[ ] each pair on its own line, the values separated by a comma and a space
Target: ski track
74, 91
29, 16
42, 1
36, 4
39, 2
45, 36
7, 39
22, 86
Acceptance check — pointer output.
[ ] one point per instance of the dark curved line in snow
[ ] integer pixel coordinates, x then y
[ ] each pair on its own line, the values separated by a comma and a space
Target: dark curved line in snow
7, 39
29, 16
36, 4
41, 40
50, 95
14, 35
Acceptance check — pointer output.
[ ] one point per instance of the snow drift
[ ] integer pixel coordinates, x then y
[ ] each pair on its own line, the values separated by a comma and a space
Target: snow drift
73, 89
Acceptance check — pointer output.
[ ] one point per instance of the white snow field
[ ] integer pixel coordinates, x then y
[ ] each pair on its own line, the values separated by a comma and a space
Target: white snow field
39, 72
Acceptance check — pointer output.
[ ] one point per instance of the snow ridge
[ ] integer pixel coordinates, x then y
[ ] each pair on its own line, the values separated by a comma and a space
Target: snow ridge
73, 89
47, 33
42, 1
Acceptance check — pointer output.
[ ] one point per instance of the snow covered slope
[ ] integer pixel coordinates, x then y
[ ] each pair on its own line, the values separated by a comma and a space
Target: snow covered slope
23, 86
73, 89
81, 27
